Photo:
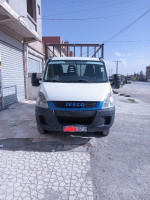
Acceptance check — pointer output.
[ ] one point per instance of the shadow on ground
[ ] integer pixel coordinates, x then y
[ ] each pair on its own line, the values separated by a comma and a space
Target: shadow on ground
72, 142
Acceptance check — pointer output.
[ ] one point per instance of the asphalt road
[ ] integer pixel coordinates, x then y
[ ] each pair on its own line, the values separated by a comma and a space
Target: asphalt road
115, 167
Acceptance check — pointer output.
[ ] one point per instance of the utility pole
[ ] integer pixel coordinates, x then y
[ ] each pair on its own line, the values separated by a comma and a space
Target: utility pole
110, 72
117, 65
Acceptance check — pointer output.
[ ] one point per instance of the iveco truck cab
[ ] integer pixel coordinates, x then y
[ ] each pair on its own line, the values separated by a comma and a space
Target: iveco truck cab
74, 95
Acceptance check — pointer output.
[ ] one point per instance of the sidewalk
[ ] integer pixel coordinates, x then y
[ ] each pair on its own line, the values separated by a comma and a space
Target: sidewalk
18, 121
45, 176
41, 168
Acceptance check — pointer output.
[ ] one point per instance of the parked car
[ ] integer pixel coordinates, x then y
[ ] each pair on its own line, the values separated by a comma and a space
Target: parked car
128, 80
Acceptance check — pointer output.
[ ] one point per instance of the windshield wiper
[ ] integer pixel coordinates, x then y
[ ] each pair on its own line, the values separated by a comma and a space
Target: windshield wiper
83, 81
54, 80
68, 81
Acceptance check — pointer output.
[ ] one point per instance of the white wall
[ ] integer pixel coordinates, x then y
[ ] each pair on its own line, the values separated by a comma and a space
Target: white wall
20, 7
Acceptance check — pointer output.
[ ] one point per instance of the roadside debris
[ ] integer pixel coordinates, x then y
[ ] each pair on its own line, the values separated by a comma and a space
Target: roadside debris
88, 144
127, 95
12, 107
115, 92
132, 100
53, 150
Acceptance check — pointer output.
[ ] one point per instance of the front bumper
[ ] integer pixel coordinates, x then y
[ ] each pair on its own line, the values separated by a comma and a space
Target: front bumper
54, 120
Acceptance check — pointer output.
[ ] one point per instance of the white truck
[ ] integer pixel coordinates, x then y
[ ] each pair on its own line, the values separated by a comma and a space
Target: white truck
75, 95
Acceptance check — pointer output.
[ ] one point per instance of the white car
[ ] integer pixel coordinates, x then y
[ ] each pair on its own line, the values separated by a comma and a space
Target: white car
75, 95
129, 80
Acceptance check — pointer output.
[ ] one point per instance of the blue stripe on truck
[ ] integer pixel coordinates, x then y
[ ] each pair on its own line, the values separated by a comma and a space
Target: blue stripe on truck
53, 107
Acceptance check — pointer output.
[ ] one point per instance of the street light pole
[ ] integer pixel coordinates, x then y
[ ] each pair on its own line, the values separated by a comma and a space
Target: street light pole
117, 65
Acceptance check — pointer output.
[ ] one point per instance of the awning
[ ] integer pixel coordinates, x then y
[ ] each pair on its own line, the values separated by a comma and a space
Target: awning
14, 25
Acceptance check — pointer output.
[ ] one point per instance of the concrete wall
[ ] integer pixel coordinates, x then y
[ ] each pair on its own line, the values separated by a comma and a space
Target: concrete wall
31, 91
20, 7
39, 21
56, 52
38, 46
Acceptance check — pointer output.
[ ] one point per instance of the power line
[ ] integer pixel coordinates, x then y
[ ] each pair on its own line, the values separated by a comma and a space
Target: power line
95, 8
131, 41
129, 25
92, 18
73, 4
116, 41
125, 28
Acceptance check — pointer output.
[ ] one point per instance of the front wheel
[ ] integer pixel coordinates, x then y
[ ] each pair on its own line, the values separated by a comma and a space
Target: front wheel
106, 132
40, 130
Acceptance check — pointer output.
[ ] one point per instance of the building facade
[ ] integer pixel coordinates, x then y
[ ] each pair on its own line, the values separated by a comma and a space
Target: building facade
21, 49
148, 73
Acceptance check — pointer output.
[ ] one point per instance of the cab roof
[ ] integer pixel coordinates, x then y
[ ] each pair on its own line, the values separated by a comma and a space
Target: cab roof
75, 58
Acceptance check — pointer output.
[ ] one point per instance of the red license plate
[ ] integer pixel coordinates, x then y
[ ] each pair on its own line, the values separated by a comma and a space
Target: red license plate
74, 129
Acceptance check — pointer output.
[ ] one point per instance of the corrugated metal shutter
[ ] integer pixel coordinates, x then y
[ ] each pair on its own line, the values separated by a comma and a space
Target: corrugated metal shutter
12, 71
0, 82
34, 64
9, 40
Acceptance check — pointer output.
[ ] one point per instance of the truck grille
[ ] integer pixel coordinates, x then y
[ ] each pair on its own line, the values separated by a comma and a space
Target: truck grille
75, 120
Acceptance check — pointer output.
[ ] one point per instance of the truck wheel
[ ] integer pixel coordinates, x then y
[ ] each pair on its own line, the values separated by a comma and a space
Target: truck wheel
106, 132
40, 130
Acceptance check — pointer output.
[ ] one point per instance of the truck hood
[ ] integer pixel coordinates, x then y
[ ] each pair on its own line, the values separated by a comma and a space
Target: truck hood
75, 91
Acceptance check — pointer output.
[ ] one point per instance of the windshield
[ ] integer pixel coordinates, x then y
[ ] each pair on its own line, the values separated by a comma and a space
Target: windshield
75, 71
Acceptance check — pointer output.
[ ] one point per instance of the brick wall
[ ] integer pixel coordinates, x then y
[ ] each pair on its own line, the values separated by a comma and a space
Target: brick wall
52, 40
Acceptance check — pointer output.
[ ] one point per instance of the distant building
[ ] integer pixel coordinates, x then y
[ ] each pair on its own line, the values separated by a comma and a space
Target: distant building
56, 51
21, 48
148, 71
52, 40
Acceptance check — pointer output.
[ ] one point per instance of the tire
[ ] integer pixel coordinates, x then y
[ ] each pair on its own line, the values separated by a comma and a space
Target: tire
40, 130
106, 132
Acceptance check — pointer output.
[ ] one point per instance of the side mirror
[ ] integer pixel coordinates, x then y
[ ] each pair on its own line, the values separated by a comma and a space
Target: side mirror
35, 79
111, 80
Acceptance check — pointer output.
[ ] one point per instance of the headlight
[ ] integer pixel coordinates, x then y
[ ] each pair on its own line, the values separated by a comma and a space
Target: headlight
109, 101
41, 100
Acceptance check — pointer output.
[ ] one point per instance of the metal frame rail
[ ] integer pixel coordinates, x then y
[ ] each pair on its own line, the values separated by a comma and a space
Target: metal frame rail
10, 98
96, 49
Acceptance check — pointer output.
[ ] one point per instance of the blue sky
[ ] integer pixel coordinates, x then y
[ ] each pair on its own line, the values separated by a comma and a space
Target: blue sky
132, 47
